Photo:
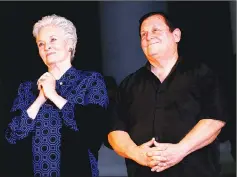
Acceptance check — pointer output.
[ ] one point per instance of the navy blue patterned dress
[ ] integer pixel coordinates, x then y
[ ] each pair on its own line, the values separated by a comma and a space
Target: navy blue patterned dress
64, 142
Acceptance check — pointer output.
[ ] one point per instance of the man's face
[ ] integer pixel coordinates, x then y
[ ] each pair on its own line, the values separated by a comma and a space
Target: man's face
156, 39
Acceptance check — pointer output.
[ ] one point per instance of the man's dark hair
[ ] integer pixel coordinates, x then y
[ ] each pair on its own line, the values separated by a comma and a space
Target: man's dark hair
170, 23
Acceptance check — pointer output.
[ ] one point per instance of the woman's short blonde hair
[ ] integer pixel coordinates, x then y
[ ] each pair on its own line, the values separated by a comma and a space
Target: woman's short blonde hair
60, 22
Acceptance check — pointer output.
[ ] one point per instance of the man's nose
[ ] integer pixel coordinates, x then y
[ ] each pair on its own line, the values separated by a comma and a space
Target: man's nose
148, 36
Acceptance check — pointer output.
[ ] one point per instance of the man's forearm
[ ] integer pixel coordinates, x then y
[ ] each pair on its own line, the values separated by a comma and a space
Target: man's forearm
122, 144
203, 133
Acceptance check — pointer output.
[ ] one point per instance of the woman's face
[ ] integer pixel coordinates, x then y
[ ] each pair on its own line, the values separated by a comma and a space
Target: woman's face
52, 45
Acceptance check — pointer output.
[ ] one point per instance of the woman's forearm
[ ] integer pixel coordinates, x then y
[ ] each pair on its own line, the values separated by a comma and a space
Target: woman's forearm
33, 110
58, 100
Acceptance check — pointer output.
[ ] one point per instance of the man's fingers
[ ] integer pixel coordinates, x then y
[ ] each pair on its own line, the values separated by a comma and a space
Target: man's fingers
153, 163
149, 143
159, 167
160, 146
158, 158
154, 152
155, 168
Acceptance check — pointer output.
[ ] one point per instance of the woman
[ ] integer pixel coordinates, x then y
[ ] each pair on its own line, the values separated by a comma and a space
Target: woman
63, 110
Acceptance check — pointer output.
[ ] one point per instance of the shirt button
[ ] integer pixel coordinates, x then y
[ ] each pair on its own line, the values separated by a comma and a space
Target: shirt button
61, 83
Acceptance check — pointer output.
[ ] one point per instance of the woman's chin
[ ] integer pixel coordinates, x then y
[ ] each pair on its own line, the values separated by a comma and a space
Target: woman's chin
51, 60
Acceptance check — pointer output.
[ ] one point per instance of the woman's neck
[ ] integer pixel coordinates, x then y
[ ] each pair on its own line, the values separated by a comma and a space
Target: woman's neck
57, 70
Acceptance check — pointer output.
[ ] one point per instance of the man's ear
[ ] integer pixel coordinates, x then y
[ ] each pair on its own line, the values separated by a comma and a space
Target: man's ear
177, 34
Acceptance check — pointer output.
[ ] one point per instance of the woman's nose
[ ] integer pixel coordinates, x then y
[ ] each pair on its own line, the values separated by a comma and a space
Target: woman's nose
47, 46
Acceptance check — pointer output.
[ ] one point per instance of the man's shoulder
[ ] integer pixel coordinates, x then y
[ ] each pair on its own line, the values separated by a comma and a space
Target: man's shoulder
196, 67
133, 77
202, 70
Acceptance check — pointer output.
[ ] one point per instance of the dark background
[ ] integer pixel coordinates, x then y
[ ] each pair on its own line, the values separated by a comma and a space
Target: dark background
206, 36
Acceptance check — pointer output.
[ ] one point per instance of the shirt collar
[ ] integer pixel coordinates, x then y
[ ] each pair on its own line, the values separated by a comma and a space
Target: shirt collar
68, 76
176, 65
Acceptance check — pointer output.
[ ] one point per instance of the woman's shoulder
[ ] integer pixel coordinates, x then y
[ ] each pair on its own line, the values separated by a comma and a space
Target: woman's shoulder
88, 74
26, 86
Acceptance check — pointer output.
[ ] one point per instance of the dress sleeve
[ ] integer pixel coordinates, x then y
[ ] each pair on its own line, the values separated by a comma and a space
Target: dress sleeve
85, 111
21, 124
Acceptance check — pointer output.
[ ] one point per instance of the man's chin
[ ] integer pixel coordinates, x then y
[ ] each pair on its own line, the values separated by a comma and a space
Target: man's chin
153, 54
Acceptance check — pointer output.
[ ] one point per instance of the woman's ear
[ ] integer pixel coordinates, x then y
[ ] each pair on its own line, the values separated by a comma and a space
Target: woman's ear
69, 45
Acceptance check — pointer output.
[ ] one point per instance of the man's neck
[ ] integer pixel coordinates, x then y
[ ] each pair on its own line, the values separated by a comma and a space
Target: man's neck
164, 61
163, 67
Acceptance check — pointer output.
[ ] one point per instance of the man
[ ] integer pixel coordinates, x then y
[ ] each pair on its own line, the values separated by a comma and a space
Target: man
169, 112
112, 87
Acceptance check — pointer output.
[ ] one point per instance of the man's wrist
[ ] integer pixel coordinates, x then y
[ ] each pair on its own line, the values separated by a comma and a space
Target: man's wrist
131, 152
184, 148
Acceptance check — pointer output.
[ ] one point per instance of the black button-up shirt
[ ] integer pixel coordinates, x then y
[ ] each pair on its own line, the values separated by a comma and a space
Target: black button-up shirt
147, 108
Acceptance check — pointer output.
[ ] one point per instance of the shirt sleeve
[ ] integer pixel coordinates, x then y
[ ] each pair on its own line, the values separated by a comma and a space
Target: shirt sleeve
120, 114
21, 124
86, 111
213, 102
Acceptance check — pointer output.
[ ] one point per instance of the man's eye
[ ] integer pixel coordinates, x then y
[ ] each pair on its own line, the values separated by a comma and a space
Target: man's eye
156, 30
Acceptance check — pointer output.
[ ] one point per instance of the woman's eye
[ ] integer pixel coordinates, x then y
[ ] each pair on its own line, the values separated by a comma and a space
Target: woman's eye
53, 39
40, 44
